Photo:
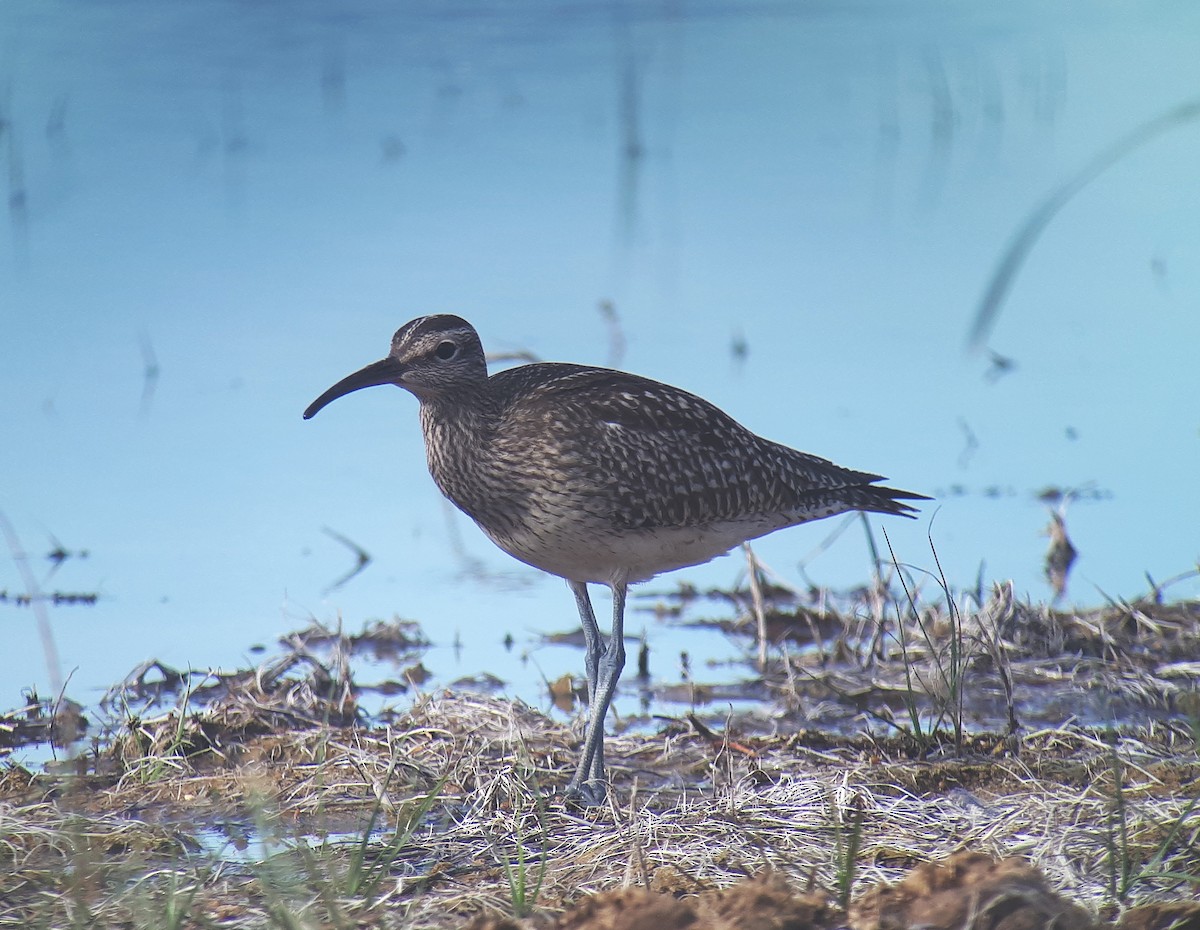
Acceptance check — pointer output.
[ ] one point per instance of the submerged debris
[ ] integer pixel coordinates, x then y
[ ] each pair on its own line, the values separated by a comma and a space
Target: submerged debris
1060, 555
57, 723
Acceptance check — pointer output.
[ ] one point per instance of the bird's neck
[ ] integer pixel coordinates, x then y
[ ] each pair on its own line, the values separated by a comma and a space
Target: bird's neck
458, 433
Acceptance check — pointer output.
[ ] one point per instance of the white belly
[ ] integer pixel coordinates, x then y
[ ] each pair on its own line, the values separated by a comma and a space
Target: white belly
636, 555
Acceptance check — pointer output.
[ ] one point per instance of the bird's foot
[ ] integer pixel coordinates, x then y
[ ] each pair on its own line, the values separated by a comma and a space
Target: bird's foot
590, 793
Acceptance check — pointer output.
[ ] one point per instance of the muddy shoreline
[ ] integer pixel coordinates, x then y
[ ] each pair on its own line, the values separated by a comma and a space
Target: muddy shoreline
267, 798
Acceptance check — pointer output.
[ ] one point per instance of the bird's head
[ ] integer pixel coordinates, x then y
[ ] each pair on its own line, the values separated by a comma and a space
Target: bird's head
430, 356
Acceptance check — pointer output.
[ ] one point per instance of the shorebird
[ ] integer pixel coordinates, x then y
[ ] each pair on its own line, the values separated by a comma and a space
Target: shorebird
600, 477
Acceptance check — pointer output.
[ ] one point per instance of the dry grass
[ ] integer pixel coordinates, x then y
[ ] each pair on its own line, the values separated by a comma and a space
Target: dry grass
691, 816
272, 805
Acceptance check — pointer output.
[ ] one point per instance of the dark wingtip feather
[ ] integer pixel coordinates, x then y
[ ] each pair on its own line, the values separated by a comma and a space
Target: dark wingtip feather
891, 500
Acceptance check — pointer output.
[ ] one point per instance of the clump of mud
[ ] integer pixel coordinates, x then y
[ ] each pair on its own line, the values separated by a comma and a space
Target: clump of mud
968, 891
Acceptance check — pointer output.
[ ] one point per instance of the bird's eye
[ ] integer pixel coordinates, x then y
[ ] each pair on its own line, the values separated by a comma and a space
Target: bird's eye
446, 350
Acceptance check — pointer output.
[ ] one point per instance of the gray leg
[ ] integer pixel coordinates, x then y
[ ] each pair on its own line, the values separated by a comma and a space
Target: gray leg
611, 666
592, 640
588, 781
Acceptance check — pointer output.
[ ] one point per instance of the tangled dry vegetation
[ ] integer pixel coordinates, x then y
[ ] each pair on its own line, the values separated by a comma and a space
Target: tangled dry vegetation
270, 803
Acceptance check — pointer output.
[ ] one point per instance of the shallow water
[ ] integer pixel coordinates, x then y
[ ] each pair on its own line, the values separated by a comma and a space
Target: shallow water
216, 210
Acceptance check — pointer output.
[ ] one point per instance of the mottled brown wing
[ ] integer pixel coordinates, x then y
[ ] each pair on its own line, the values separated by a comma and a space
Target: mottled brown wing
654, 455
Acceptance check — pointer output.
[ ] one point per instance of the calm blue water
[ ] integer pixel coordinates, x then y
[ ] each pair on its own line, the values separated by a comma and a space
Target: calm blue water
215, 210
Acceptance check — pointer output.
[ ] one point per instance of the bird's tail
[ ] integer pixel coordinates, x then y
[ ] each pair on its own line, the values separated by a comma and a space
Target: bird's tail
874, 498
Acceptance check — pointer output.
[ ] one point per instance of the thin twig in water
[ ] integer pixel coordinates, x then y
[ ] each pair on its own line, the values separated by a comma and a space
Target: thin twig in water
38, 604
828, 541
361, 555
150, 373
1027, 235
616, 335
756, 597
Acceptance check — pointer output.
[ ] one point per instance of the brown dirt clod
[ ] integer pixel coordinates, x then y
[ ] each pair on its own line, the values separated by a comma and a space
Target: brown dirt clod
968, 891
766, 902
1176, 915
629, 909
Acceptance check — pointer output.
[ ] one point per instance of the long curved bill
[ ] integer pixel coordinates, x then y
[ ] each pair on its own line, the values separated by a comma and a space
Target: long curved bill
385, 371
